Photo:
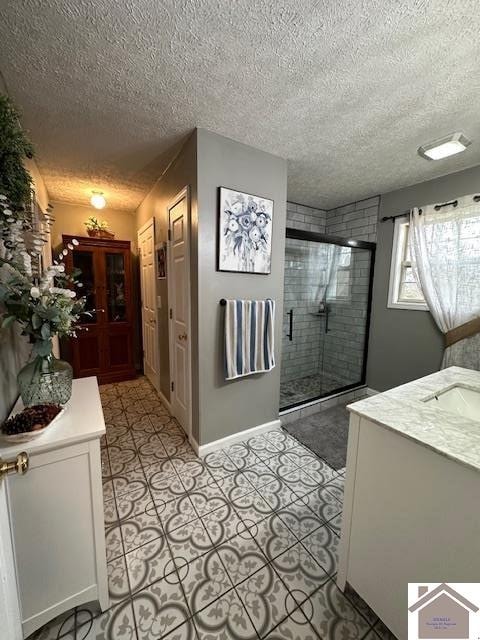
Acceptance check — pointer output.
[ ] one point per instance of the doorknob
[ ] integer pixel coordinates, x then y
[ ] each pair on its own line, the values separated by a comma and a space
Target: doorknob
182, 336
18, 465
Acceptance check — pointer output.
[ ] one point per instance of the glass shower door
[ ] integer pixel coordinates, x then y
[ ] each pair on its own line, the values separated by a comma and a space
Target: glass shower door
348, 305
306, 271
325, 325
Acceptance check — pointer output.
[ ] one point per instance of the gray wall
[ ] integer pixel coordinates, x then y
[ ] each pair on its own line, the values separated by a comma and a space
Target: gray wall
405, 345
181, 172
225, 408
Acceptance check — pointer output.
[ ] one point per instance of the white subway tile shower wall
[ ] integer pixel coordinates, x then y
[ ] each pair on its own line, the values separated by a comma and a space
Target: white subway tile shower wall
345, 346
357, 220
339, 359
303, 276
301, 357
306, 218
345, 341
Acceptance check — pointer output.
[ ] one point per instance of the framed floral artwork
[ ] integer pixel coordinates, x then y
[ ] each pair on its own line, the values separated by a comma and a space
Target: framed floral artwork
245, 232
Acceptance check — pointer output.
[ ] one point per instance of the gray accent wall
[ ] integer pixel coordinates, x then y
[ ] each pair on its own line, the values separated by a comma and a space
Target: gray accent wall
404, 344
225, 408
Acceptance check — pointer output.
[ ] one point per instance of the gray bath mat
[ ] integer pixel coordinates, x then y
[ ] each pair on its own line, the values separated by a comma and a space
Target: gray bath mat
324, 433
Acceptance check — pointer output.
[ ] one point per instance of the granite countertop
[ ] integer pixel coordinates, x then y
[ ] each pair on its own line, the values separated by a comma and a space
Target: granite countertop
401, 410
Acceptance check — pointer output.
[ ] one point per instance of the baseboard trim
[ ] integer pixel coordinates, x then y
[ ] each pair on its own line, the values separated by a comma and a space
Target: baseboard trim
203, 449
165, 401
193, 444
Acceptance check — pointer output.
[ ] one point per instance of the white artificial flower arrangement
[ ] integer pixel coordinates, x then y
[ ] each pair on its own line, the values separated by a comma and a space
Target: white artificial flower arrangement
94, 224
41, 300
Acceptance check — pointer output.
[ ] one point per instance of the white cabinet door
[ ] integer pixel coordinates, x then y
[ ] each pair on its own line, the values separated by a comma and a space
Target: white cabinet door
10, 624
58, 533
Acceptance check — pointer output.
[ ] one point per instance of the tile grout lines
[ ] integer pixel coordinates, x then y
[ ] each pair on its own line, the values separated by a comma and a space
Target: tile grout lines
211, 476
269, 562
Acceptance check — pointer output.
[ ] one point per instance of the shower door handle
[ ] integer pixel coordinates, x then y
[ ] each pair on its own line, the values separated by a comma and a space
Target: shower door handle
290, 332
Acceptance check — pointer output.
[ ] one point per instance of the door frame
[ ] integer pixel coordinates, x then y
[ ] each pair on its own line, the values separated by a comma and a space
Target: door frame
144, 227
183, 193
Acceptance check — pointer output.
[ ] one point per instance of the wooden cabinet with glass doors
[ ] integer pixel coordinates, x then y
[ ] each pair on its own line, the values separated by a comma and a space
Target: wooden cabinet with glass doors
104, 343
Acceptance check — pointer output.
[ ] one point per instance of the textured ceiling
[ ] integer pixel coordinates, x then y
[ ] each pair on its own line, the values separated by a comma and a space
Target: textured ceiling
346, 90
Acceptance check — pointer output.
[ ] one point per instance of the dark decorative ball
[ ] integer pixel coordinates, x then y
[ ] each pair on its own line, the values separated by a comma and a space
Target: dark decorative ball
31, 419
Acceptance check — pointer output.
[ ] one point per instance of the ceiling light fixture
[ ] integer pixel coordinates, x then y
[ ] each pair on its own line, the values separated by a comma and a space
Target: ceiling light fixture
444, 147
97, 200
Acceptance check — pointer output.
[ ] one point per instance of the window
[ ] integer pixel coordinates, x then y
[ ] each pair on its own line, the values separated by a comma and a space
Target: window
404, 292
340, 285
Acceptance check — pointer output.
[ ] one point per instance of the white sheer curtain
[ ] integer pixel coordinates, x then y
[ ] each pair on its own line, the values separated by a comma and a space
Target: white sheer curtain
445, 254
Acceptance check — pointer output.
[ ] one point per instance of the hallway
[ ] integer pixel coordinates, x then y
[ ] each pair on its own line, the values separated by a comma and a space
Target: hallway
240, 545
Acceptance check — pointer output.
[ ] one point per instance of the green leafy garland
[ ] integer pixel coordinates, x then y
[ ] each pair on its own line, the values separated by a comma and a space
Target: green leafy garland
40, 298
15, 181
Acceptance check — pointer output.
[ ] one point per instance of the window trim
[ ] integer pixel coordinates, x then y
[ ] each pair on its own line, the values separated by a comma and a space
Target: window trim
395, 273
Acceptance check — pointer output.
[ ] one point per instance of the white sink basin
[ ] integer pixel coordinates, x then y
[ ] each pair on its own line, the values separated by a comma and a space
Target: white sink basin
461, 400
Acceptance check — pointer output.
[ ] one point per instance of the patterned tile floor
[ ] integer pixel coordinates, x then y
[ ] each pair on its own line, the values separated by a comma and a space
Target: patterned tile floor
239, 545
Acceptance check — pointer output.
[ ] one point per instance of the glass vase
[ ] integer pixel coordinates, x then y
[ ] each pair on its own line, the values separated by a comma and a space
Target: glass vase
45, 380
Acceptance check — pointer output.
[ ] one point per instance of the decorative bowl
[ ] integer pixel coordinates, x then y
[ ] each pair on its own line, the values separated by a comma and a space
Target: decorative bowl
26, 436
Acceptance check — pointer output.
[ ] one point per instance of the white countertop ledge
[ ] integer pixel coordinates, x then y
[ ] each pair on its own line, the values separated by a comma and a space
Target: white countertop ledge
401, 410
82, 421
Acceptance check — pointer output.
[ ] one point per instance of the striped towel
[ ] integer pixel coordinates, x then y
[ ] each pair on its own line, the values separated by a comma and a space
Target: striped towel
249, 329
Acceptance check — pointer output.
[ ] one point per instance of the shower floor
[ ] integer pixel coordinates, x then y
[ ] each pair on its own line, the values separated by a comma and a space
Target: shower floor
308, 388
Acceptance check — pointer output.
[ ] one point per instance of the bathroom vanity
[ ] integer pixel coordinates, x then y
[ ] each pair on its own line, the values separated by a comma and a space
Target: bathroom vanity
412, 491
55, 514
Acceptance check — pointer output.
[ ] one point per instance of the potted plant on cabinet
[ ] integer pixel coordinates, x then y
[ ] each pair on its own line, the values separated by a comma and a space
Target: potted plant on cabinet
41, 299
98, 228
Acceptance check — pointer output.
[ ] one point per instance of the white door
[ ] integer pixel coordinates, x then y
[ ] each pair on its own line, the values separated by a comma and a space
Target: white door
10, 623
179, 302
146, 251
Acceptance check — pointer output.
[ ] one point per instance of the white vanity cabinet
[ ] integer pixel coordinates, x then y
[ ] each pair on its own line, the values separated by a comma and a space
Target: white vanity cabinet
56, 513
411, 495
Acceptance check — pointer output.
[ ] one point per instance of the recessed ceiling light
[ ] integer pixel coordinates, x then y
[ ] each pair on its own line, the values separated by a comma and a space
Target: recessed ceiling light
444, 147
97, 200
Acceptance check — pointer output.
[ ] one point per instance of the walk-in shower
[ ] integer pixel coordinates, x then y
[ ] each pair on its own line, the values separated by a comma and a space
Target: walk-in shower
328, 283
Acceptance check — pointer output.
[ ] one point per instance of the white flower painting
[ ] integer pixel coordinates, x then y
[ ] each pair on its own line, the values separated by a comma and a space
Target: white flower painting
245, 232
